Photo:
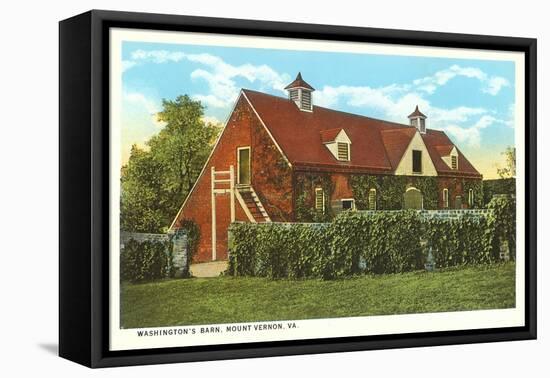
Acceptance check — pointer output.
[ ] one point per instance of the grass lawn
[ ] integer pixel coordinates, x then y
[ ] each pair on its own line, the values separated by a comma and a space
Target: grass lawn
233, 300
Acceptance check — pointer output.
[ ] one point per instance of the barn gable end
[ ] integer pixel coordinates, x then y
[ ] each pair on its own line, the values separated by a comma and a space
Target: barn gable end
270, 179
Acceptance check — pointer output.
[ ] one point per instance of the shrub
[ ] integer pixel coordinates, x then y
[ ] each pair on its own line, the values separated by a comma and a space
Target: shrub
144, 261
502, 220
385, 241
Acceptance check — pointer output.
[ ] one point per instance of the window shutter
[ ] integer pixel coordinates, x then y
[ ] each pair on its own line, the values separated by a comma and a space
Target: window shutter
454, 162
320, 199
372, 199
343, 151
306, 100
294, 96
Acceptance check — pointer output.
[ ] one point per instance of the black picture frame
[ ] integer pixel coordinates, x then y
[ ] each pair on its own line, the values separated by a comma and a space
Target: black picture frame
84, 187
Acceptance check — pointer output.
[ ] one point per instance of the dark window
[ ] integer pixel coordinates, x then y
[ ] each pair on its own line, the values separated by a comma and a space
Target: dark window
417, 161
347, 204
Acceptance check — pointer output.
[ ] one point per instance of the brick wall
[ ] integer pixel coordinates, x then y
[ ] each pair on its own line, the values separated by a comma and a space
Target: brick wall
270, 180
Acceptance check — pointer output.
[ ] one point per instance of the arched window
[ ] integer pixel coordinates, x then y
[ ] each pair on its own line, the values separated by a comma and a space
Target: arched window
372, 199
446, 198
471, 198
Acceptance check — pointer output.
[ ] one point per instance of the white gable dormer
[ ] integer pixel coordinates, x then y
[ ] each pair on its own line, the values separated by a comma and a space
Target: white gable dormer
338, 143
451, 159
416, 160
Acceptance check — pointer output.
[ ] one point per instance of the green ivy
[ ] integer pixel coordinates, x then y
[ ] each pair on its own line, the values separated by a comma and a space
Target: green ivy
361, 186
477, 187
498, 186
305, 184
144, 261
390, 190
376, 242
503, 220
429, 189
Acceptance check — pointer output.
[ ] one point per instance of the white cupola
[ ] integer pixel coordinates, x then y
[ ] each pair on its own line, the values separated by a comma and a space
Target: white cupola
301, 93
418, 120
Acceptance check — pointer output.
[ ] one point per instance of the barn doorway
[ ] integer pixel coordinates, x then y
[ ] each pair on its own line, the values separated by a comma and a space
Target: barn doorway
413, 199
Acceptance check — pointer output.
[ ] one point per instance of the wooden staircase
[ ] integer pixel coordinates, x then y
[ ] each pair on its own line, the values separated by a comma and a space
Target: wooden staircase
256, 211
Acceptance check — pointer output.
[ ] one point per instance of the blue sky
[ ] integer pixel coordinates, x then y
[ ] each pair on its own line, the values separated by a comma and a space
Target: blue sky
471, 100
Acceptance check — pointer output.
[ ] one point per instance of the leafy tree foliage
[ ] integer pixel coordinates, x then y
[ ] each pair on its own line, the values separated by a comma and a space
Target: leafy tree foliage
510, 169
157, 179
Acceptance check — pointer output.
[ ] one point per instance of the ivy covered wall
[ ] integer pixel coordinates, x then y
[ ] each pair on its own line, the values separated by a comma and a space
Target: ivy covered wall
389, 192
390, 189
304, 196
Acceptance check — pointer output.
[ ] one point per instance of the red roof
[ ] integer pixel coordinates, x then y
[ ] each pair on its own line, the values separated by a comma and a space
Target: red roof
328, 136
299, 83
377, 145
417, 113
396, 140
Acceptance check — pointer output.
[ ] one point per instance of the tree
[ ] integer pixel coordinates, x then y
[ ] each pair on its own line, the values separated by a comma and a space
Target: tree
142, 194
156, 182
509, 170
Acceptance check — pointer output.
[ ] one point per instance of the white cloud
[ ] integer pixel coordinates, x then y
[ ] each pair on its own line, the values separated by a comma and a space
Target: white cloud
472, 135
464, 135
491, 85
219, 75
429, 84
495, 84
127, 64
141, 101
212, 120
157, 56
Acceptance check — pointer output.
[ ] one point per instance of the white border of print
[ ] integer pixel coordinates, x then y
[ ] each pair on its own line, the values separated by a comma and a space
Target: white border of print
125, 339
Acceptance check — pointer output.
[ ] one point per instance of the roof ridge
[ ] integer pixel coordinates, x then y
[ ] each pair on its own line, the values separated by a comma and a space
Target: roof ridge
397, 124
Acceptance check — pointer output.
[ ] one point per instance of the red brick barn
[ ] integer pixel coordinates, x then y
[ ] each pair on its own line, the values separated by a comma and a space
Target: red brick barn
270, 144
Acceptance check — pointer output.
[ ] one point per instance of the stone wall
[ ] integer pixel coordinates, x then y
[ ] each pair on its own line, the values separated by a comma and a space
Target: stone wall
179, 246
444, 214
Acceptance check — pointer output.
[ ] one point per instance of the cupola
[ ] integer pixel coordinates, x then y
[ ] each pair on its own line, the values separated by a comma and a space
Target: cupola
418, 120
301, 93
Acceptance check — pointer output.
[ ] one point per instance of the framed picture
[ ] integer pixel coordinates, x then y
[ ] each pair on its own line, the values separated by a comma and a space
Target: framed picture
235, 188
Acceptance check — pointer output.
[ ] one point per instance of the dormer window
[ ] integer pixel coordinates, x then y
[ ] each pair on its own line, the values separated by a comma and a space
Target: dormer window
338, 143
343, 151
300, 93
449, 154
